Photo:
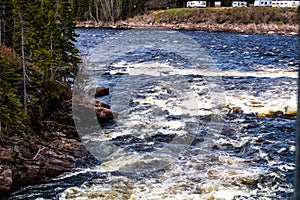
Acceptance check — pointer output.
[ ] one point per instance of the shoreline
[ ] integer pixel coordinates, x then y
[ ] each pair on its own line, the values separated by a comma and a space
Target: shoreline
40, 158
251, 20
283, 29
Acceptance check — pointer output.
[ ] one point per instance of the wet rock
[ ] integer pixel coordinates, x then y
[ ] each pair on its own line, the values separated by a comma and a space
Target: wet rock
248, 181
101, 91
103, 112
37, 160
105, 115
6, 179
6, 155
99, 104
44, 164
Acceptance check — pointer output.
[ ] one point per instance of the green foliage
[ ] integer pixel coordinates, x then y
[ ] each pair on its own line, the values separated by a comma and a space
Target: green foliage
80, 9
47, 29
227, 3
11, 109
6, 22
49, 36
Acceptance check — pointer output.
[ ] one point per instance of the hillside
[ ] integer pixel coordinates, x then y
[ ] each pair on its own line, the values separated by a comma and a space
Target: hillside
247, 19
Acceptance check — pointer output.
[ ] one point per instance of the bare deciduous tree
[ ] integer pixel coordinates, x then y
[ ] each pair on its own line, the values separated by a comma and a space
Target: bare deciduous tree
111, 9
118, 8
21, 16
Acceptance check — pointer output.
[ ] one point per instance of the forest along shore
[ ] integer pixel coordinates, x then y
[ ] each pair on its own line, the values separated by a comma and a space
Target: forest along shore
264, 20
38, 64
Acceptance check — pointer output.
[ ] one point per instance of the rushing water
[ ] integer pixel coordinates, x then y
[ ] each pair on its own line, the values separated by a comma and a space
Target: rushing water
201, 116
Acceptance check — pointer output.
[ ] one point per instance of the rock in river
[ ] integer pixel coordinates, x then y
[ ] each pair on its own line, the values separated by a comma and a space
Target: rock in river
101, 91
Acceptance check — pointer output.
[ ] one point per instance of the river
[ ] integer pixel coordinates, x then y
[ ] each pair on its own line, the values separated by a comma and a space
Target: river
202, 115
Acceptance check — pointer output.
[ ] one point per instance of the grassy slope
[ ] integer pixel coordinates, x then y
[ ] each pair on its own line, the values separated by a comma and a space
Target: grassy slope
246, 15
247, 19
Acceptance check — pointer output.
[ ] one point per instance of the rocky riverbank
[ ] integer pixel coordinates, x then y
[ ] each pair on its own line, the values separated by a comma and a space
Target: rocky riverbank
245, 20
43, 152
39, 158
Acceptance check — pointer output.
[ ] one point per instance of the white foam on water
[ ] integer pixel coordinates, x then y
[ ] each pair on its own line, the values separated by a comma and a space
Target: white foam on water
137, 163
160, 68
264, 74
266, 104
271, 101
200, 181
189, 178
195, 177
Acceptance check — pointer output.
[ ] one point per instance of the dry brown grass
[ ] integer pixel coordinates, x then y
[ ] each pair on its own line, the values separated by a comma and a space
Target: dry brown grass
248, 15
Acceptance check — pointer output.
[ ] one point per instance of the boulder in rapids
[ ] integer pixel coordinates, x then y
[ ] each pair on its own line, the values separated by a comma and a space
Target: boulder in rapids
99, 104
101, 91
105, 115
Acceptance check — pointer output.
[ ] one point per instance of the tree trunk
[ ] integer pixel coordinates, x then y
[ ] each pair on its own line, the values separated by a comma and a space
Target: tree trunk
96, 10
51, 53
118, 8
112, 10
23, 59
91, 13
107, 5
1, 29
2, 12
104, 9
57, 8
51, 44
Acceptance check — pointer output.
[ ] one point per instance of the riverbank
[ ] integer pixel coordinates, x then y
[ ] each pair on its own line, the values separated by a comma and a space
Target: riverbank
38, 159
246, 20
42, 143
38, 156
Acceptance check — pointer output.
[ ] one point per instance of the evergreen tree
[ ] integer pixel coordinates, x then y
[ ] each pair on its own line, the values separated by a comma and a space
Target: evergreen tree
131, 8
21, 30
81, 9
6, 22
66, 54
42, 34
227, 3
12, 115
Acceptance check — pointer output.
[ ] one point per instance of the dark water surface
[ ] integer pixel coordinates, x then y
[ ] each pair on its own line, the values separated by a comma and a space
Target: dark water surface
201, 116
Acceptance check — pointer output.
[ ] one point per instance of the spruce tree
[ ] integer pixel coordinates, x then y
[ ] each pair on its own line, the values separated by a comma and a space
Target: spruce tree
66, 54
12, 114
6, 22
21, 30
